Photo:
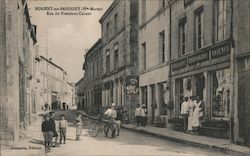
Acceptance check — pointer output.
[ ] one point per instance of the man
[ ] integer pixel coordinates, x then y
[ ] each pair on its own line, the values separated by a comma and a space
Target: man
138, 115
47, 133
143, 114
53, 127
118, 120
184, 112
111, 113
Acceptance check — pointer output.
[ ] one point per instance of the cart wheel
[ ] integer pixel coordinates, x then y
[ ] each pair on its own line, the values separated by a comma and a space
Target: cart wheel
93, 129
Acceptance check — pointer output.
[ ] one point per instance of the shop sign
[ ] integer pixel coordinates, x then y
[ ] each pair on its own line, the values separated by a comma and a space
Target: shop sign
132, 85
220, 50
179, 64
198, 58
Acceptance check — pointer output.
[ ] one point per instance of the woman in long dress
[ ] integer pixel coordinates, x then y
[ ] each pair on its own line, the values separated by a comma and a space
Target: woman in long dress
191, 105
79, 125
197, 114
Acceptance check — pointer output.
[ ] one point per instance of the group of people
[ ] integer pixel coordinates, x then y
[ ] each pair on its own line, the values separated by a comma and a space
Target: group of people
192, 109
50, 130
115, 118
141, 115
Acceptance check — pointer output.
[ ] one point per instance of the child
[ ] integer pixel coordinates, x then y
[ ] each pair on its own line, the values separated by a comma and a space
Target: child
63, 124
79, 125
47, 133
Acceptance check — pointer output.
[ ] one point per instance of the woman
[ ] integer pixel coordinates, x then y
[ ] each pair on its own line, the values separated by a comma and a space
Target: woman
191, 105
79, 125
198, 113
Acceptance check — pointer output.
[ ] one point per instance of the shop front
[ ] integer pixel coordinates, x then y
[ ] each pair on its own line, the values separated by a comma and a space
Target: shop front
205, 73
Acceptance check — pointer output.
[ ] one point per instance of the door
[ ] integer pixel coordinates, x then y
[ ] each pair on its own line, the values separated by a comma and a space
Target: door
244, 106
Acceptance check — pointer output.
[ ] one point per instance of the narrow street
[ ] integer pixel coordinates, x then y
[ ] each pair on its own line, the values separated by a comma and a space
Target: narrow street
129, 143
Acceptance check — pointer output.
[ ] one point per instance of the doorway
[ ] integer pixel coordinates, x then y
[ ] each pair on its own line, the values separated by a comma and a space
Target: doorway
244, 106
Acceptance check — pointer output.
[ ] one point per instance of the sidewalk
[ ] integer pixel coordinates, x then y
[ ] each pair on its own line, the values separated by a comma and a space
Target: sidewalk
221, 145
30, 145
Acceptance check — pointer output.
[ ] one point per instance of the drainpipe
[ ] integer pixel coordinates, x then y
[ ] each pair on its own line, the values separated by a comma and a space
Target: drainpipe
233, 70
170, 35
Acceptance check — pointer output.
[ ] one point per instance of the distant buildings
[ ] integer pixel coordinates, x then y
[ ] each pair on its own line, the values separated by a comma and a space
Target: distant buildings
93, 67
55, 89
120, 55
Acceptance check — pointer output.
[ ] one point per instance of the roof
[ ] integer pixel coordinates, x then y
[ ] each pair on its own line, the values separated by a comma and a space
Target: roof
98, 42
54, 64
111, 7
78, 82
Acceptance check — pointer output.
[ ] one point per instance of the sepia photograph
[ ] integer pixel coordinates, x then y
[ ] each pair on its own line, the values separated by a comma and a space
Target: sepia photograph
124, 77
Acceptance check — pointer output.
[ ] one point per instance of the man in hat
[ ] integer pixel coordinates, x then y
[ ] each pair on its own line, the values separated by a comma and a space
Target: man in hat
184, 112
47, 133
143, 114
111, 113
53, 128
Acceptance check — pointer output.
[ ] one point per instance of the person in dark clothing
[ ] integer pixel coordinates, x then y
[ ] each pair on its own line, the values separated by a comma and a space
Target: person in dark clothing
118, 120
53, 127
47, 133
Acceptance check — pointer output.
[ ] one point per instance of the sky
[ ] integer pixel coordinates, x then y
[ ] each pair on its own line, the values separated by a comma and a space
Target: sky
67, 36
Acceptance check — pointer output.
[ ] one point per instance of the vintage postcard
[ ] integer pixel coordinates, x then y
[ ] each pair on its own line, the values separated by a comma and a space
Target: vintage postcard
124, 77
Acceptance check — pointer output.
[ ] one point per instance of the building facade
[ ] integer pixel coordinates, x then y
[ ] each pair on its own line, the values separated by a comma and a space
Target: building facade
120, 55
55, 89
17, 44
241, 72
154, 56
80, 87
93, 67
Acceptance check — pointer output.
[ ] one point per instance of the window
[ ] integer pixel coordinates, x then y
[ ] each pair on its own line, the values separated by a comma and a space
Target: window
115, 22
107, 30
143, 11
199, 27
162, 4
144, 56
116, 56
182, 36
221, 93
162, 46
221, 20
107, 62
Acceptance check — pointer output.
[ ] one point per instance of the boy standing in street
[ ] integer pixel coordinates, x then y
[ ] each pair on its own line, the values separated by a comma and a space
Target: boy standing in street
63, 124
47, 133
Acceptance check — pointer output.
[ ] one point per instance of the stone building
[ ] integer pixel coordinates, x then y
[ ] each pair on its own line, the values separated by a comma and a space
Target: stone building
80, 87
93, 78
240, 70
54, 83
154, 56
200, 55
120, 54
17, 40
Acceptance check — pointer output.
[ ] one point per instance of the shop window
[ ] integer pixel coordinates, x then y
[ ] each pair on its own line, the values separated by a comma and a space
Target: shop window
163, 97
221, 93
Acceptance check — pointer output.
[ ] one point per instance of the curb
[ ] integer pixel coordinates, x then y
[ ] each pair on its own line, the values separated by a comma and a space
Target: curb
191, 143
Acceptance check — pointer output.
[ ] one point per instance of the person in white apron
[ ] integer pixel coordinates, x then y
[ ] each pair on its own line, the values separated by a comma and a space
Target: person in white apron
198, 113
191, 105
